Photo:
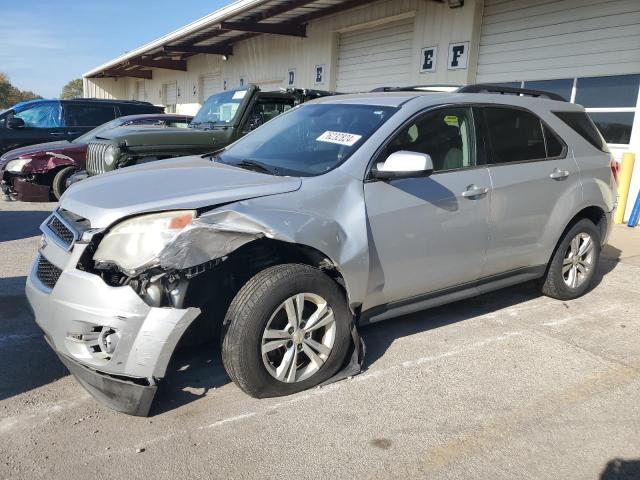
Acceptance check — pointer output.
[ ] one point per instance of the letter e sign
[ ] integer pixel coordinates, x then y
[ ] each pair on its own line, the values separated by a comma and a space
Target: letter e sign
428, 59
458, 56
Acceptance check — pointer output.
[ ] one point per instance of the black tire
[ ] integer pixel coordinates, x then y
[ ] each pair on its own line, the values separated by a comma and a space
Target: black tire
554, 284
59, 184
249, 313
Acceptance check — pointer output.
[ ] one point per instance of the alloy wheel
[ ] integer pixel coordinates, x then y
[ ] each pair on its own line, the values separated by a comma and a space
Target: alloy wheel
298, 338
578, 260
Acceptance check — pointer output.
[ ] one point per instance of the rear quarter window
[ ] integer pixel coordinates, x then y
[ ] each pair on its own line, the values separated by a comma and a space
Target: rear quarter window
583, 126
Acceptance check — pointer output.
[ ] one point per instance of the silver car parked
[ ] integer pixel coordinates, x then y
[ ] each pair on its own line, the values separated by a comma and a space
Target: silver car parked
344, 211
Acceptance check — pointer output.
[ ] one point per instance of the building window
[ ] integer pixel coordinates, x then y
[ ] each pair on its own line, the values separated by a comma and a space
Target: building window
561, 87
610, 101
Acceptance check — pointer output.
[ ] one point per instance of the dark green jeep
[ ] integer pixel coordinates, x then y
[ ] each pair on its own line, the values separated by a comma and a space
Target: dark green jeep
225, 117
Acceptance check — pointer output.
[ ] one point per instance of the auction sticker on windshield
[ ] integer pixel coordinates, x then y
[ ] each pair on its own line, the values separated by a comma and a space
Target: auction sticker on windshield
341, 138
239, 95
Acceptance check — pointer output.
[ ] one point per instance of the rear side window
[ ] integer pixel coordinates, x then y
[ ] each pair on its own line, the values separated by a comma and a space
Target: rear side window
583, 126
87, 115
514, 135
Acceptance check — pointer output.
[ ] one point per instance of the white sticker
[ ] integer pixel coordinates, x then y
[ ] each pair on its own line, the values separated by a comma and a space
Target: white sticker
239, 95
341, 138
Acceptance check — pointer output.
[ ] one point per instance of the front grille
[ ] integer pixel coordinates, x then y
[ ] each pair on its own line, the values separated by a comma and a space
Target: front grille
95, 158
47, 272
61, 230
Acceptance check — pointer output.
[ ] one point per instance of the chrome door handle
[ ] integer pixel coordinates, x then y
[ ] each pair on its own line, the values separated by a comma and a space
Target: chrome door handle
57, 134
558, 174
474, 191
73, 133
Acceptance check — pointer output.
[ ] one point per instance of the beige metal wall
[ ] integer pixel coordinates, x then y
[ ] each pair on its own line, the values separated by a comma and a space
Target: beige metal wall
266, 59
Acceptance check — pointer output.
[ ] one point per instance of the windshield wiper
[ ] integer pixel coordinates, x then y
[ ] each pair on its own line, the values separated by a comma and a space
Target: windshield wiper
256, 166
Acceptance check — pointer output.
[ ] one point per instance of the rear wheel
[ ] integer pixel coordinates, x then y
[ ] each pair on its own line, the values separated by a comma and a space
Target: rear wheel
288, 330
573, 265
59, 184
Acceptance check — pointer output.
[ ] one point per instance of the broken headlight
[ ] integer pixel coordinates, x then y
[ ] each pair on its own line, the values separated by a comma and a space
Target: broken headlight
17, 165
135, 244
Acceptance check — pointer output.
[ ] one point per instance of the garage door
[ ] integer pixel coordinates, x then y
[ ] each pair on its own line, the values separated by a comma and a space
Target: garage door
539, 39
170, 97
375, 57
140, 94
210, 84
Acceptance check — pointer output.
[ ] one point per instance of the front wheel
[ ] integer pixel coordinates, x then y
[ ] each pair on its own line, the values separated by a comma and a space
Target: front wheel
288, 330
574, 262
59, 184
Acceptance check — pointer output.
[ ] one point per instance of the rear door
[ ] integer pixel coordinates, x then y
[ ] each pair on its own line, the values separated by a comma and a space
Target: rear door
81, 117
429, 233
42, 123
535, 181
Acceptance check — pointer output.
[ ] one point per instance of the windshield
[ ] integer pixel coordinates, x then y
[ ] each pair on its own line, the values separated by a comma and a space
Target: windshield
309, 140
92, 134
220, 108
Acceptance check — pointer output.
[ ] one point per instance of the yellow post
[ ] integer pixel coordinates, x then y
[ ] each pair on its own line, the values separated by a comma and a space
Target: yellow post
624, 179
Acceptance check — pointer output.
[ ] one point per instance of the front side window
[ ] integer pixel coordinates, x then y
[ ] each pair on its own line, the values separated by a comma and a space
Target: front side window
46, 115
220, 108
308, 140
445, 135
514, 135
79, 115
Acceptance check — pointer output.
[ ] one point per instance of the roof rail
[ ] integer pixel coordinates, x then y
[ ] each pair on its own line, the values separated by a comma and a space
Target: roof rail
107, 100
489, 88
419, 88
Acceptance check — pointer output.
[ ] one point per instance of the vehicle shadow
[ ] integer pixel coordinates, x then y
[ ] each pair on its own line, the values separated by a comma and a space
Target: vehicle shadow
27, 361
619, 469
192, 372
18, 224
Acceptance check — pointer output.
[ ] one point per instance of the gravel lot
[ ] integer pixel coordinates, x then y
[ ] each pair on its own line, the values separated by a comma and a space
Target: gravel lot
509, 385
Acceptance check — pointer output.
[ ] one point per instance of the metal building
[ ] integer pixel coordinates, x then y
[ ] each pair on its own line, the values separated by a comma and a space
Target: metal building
586, 50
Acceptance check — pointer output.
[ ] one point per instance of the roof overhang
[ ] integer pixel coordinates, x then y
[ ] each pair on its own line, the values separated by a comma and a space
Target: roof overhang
217, 32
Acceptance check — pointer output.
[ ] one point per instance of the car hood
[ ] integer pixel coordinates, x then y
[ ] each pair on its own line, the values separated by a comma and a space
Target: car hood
135, 136
179, 183
35, 149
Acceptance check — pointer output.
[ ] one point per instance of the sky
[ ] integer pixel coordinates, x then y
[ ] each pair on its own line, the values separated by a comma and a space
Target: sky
46, 43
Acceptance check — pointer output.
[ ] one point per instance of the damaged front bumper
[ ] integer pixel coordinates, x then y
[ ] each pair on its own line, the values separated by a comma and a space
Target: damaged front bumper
20, 188
116, 345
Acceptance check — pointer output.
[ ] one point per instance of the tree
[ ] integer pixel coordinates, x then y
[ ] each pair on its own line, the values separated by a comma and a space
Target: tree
10, 95
73, 89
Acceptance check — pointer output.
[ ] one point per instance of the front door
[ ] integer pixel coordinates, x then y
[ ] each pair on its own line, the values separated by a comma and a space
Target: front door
42, 123
429, 233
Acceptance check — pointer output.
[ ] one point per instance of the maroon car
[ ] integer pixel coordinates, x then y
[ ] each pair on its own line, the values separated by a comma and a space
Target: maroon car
34, 173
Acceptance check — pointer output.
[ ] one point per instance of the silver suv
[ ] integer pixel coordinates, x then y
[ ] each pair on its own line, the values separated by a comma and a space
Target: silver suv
343, 211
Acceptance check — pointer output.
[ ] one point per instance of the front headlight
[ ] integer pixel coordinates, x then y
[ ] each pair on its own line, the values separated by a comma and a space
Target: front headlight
135, 244
17, 165
111, 155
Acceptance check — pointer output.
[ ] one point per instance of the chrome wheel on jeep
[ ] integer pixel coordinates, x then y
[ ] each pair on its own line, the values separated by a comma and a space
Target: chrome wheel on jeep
298, 337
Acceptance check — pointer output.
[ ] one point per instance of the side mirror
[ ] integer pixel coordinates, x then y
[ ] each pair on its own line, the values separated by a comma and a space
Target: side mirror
404, 164
15, 122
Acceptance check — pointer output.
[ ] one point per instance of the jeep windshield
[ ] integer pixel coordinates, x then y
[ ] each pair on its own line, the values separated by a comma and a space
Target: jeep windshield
308, 140
219, 109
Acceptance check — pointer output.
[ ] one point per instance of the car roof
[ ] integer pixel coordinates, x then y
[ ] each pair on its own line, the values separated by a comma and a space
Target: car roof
142, 116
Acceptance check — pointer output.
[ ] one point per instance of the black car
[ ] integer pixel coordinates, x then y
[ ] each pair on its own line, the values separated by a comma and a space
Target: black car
40, 121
